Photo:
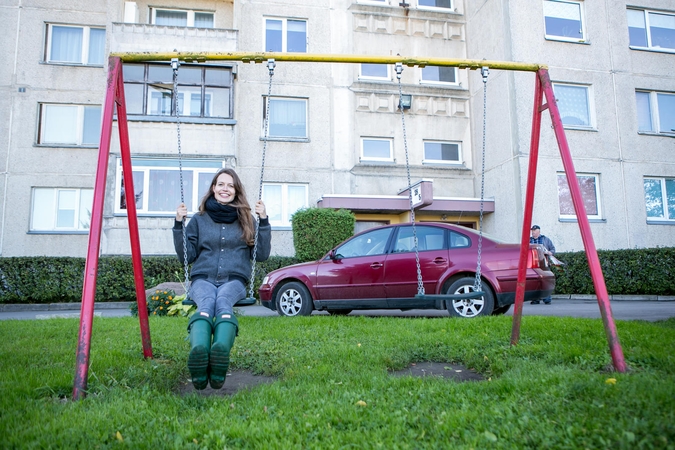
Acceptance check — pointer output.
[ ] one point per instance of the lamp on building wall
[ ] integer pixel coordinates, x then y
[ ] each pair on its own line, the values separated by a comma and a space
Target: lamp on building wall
405, 102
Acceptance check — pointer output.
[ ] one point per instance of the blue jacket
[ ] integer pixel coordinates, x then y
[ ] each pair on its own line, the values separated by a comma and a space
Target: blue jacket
217, 251
546, 242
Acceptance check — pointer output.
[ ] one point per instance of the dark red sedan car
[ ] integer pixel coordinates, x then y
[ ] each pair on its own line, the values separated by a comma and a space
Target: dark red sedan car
377, 269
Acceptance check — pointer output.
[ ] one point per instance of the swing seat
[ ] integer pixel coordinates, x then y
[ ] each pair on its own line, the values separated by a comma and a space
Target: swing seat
467, 296
248, 301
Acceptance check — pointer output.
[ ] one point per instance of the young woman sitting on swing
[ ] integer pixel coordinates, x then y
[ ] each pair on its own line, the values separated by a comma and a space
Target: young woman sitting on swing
219, 244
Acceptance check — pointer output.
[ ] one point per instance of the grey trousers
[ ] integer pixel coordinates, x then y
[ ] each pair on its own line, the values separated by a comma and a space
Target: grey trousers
216, 300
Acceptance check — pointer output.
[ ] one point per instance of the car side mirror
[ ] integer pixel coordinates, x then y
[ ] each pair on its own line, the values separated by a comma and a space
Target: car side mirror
334, 256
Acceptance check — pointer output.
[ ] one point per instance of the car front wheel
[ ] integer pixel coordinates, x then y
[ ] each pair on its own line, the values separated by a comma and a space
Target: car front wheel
293, 299
471, 307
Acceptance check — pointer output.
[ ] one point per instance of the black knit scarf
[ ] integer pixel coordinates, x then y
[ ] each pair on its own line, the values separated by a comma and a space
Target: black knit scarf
221, 213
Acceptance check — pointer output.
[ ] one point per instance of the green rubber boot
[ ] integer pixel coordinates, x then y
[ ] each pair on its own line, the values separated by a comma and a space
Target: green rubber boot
200, 328
225, 330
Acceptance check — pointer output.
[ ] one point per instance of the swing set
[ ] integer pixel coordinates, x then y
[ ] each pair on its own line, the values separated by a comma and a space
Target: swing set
115, 102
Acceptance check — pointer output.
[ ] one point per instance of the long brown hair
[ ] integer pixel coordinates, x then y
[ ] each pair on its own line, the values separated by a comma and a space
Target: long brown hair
240, 202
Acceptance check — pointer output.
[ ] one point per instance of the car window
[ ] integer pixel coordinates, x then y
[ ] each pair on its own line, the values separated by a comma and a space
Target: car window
371, 243
428, 238
458, 240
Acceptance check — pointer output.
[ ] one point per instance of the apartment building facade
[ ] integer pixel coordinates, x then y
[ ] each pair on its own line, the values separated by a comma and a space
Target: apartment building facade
336, 137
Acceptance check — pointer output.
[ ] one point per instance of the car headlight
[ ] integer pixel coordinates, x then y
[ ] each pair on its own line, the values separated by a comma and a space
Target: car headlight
265, 280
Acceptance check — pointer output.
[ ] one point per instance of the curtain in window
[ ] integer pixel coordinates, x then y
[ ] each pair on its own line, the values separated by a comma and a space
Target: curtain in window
96, 46
573, 104
637, 29
666, 112
296, 36
297, 196
84, 213
164, 190
644, 111
287, 118
66, 44
43, 209
272, 199
171, 18
59, 124
204, 20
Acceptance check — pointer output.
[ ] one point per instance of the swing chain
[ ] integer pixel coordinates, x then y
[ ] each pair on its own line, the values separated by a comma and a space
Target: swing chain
485, 71
174, 65
420, 284
271, 64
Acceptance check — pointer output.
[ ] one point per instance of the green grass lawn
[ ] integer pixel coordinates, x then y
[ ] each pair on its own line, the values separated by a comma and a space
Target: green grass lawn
553, 390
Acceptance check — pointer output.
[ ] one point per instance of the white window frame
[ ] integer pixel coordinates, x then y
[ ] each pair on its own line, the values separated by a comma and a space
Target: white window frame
589, 103
82, 195
146, 165
439, 82
426, 160
284, 32
281, 137
451, 8
555, 37
374, 78
598, 200
654, 114
84, 56
42, 139
646, 13
380, 139
286, 213
190, 15
664, 201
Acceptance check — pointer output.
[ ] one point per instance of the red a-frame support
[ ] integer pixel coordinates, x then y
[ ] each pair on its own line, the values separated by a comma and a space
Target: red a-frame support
114, 96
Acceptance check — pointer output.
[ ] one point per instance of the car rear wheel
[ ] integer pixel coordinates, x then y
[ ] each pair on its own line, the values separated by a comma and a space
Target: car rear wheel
293, 299
472, 307
339, 312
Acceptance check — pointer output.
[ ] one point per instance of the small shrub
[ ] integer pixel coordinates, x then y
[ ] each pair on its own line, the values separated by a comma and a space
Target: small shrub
317, 230
159, 303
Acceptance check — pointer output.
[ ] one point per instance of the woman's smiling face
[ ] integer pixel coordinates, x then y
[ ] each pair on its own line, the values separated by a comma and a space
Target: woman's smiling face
224, 191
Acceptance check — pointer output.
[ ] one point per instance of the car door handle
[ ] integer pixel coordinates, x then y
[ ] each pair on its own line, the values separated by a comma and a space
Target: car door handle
376, 265
440, 260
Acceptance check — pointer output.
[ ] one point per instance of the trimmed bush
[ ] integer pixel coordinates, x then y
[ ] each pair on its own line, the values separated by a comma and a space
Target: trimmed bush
317, 230
646, 271
60, 279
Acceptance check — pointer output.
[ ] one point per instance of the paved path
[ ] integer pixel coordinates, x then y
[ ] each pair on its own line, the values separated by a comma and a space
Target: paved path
621, 310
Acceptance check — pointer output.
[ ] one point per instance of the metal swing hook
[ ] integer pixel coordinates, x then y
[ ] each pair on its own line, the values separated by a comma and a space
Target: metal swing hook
399, 69
175, 63
271, 65
485, 71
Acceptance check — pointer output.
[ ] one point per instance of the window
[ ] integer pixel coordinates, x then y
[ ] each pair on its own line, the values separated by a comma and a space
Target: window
660, 198
182, 18
61, 209
376, 149
563, 20
656, 111
78, 125
374, 71
288, 118
651, 30
589, 193
75, 45
369, 243
285, 35
444, 4
282, 200
436, 74
428, 238
441, 152
203, 91
574, 105
157, 184
458, 240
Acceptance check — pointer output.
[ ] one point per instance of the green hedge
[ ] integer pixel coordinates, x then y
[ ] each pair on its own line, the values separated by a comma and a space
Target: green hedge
627, 272
317, 230
59, 279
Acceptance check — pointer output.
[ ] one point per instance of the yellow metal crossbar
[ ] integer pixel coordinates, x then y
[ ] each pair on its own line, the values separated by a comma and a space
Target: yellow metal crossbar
261, 57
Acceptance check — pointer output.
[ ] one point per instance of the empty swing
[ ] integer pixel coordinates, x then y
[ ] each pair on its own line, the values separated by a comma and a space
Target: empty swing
477, 291
250, 300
